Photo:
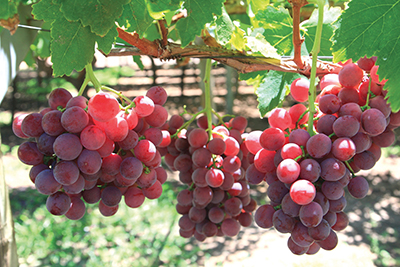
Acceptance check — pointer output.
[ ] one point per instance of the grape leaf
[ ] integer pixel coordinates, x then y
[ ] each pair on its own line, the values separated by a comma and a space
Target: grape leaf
46, 10
158, 8
100, 15
237, 39
105, 43
72, 46
41, 45
273, 89
257, 43
256, 5
138, 61
224, 28
377, 35
310, 26
199, 13
8, 8
136, 17
278, 28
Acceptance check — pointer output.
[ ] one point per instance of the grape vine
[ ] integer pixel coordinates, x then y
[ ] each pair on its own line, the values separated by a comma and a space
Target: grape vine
109, 148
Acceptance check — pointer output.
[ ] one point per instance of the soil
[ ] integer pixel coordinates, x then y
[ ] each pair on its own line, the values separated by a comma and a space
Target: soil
371, 239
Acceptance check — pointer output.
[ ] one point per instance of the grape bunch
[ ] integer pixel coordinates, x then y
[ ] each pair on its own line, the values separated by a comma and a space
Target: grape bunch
307, 174
217, 200
95, 150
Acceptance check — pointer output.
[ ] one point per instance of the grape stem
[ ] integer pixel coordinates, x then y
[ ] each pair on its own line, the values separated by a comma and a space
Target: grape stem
119, 94
207, 96
315, 50
84, 84
92, 77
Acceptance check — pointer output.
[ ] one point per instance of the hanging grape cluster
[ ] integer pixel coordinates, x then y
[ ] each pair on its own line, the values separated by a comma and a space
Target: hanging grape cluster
308, 173
217, 200
95, 150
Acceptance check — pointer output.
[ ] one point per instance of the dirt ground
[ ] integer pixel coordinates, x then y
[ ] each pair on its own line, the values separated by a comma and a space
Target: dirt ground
371, 239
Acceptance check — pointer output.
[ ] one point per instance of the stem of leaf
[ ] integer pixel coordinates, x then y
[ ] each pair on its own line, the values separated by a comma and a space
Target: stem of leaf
92, 77
84, 84
207, 96
314, 52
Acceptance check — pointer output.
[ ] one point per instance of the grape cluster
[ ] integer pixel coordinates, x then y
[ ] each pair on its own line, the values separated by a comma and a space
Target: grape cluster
94, 150
308, 174
217, 200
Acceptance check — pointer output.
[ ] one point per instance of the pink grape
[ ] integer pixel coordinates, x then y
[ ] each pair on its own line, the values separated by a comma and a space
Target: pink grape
358, 187
66, 172
350, 75
77, 209
92, 137
134, 197
299, 89
264, 215
144, 106
103, 107
51, 123
89, 161
16, 125
46, 184
58, 203
288, 171
373, 121
31, 125
111, 196
343, 148
318, 145
74, 119
131, 168
302, 192
79, 101
272, 139
158, 95
29, 153
158, 117
280, 118
67, 146
59, 98
214, 177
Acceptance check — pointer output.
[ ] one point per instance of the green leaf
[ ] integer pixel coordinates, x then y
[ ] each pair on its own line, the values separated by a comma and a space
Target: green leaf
8, 8
273, 89
41, 45
158, 8
136, 17
138, 61
371, 28
278, 29
152, 33
310, 26
237, 40
105, 43
200, 12
72, 46
46, 10
257, 5
30, 60
257, 43
224, 29
100, 15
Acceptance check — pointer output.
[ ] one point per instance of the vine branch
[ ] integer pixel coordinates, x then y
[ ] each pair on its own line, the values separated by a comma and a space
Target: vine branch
297, 38
243, 63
